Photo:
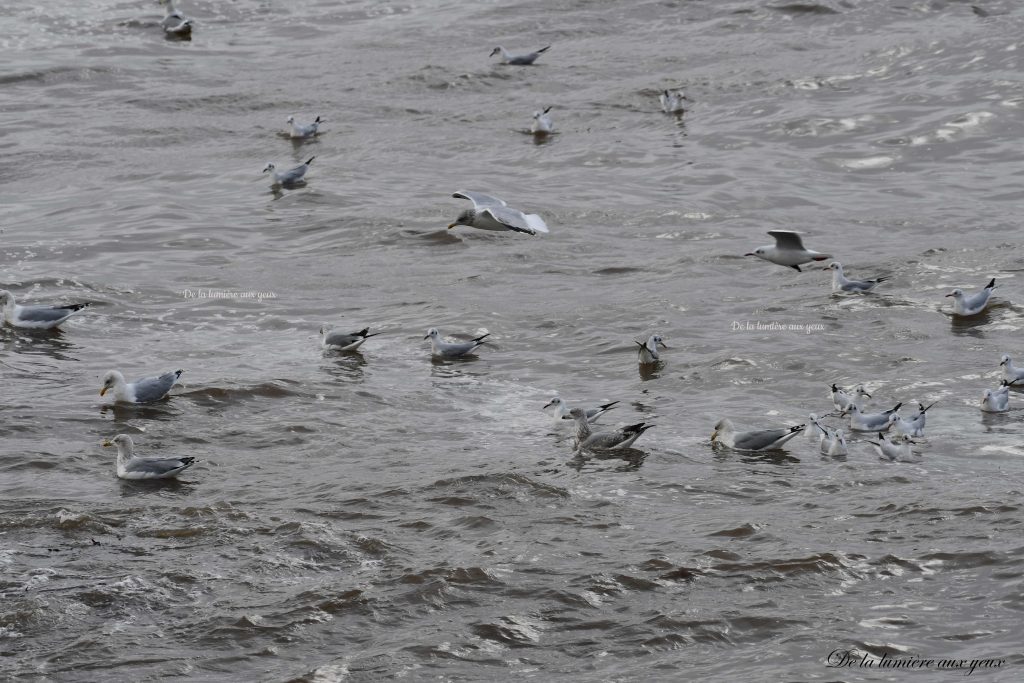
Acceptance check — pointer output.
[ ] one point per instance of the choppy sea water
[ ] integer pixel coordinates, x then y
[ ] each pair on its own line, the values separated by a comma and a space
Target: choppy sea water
381, 515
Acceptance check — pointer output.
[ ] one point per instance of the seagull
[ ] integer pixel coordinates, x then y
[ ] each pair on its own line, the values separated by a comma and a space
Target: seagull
144, 390
997, 400
896, 448
841, 398
871, 422
818, 431
1010, 371
914, 426
756, 440
35, 317
542, 124
623, 437
561, 410
648, 352
453, 349
788, 250
304, 130
174, 22
340, 341
672, 102
974, 304
291, 176
491, 213
833, 443
131, 467
518, 59
840, 283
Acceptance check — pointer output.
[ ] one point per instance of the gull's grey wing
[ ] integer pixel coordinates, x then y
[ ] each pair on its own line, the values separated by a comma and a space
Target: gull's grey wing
156, 467
603, 440
150, 389
510, 218
755, 441
978, 299
293, 175
787, 239
479, 199
47, 314
341, 339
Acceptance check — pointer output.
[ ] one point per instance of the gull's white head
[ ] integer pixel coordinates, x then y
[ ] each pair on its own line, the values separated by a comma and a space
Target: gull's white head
655, 341
1002, 361
6, 297
956, 294
723, 426
464, 218
269, 167
123, 442
835, 265
290, 119
433, 333
496, 51
760, 251
111, 380
556, 401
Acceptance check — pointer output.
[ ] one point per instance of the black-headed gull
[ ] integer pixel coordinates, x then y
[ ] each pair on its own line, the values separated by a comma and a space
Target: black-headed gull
973, 304
491, 213
788, 250
519, 59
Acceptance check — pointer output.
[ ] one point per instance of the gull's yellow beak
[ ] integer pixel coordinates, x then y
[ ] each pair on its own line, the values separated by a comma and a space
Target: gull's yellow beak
103, 391
452, 226
107, 442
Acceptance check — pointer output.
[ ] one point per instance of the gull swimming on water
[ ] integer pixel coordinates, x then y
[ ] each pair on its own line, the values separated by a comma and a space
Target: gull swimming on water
35, 317
842, 398
491, 213
341, 341
304, 130
997, 400
623, 437
974, 304
452, 349
672, 101
289, 177
518, 59
896, 448
648, 352
755, 440
542, 124
913, 426
788, 250
833, 442
1010, 371
561, 410
818, 430
144, 390
131, 467
841, 283
871, 422
174, 22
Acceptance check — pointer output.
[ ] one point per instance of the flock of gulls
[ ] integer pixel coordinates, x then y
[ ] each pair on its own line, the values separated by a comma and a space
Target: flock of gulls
895, 433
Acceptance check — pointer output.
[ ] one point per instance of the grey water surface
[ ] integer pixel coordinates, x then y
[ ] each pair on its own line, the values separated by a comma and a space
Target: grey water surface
380, 515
